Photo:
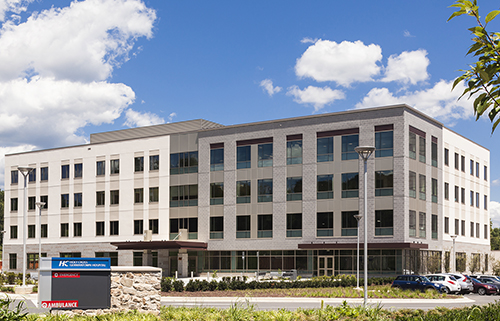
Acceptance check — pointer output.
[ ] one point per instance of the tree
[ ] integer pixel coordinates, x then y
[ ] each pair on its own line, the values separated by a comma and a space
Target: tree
494, 237
482, 78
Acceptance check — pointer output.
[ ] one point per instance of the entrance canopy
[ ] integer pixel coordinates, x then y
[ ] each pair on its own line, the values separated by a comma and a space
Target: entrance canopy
160, 245
323, 245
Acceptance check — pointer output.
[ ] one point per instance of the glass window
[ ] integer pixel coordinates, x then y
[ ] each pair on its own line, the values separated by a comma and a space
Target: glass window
413, 223
114, 197
434, 154
13, 261
457, 194
384, 144
78, 170
243, 157
462, 227
294, 188
44, 174
471, 167
485, 231
434, 190
13, 204
32, 176
64, 171
485, 202
100, 197
384, 183
31, 203
471, 229
64, 229
477, 169
112, 255
77, 200
421, 186
216, 227
462, 195
184, 195
348, 144
216, 193
99, 228
242, 192
350, 185
138, 227
447, 225
349, 223
77, 229
114, 166
446, 191
413, 145
217, 159
446, 157
31, 231
485, 173
13, 231
471, 198
422, 225
183, 163
14, 177
265, 190
265, 226
294, 152
434, 226
44, 199
45, 230
477, 200
139, 164
154, 226
154, 194
421, 149
463, 163
413, 184
294, 225
101, 168
64, 200
114, 228
457, 223
325, 149
138, 195
243, 226
325, 187
324, 224
265, 155
137, 259
154, 162
384, 222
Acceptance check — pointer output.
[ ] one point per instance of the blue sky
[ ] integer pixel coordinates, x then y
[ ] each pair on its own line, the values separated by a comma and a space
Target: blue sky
69, 69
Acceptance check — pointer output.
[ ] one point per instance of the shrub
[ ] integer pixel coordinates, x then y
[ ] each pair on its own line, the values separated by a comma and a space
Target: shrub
11, 278
9, 313
178, 286
166, 284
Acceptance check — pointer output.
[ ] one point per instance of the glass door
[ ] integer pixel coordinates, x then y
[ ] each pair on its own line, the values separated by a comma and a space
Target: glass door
325, 265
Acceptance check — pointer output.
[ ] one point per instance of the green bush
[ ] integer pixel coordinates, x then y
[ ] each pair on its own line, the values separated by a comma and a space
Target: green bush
11, 278
166, 284
178, 286
7, 312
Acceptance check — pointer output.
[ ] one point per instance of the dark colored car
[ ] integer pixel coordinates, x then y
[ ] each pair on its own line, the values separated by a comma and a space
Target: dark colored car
415, 282
483, 288
490, 281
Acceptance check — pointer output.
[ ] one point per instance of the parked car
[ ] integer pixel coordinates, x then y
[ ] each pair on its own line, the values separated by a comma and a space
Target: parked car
416, 282
490, 281
464, 281
449, 282
482, 288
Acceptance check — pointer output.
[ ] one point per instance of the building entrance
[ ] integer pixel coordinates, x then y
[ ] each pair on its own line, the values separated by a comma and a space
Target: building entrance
325, 265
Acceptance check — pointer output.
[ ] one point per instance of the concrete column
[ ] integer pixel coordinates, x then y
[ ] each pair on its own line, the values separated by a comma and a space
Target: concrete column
182, 263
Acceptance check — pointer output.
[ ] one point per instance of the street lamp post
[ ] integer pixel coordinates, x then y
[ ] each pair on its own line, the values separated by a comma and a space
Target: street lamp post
25, 170
39, 205
453, 237
365, 153
358, 217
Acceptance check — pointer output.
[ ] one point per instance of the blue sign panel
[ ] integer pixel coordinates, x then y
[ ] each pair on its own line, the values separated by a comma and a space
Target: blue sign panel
66, 263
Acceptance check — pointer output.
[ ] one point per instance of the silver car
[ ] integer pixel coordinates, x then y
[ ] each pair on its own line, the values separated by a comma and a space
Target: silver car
464, 281
451, 285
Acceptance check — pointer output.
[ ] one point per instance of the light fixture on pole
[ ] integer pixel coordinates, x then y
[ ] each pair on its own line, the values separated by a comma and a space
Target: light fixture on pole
357, 217
365, 152
453, 237
25, 170
39, 205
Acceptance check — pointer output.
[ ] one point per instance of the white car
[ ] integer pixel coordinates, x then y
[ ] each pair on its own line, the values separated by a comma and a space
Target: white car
464, 281
450, 284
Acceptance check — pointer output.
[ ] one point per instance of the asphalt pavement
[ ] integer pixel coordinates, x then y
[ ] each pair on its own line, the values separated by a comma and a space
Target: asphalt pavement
273, 303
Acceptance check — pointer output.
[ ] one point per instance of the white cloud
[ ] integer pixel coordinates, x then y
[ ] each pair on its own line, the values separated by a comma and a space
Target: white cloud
171, 117
407, 34
137, 119
343, 63
55, 66
408, 67
10, 150
82, 42
315, 96
496, 182
267, 85
495, 213
15, 6
438, 102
